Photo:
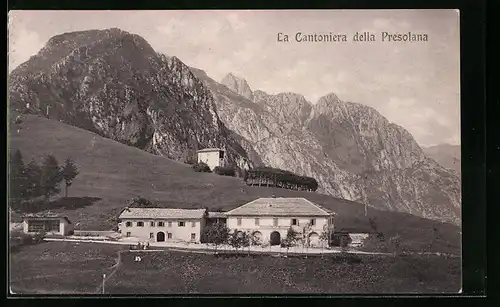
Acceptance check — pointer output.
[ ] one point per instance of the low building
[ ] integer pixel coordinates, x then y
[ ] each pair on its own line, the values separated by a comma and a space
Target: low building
213, 157
216, 218
162, 224
47, 223
269, 219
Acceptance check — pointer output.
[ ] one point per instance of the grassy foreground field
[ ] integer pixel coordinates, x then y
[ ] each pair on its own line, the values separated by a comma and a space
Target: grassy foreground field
59, 267
112, 173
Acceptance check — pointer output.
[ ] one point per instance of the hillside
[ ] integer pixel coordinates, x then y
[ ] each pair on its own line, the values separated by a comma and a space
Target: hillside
114, 173
447, 155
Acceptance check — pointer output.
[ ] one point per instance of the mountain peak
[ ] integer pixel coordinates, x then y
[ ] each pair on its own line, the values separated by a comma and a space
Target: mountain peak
238, 85
329, 98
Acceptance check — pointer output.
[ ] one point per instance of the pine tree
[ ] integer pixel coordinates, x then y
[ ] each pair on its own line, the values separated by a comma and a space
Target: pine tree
51, 177
33, 178
69, 172
17, 178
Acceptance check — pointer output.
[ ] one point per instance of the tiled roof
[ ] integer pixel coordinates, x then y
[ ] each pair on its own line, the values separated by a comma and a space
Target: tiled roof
281, 207
215, 215
209, 149
162, 213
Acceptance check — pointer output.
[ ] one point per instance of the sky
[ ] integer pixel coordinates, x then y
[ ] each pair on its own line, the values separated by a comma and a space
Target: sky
413, 84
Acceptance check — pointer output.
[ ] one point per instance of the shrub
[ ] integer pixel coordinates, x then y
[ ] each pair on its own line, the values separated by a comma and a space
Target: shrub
201, 167
225, 171
341, 239
19, 239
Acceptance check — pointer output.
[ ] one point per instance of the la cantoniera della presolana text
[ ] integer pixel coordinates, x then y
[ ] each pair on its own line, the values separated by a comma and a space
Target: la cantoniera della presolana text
331, 37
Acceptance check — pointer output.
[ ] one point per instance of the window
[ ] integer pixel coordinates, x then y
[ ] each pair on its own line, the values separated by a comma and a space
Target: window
221, 154
169, 235
152, 224
193, 224
295, 222
140, 224
161, 224
275, 222
257, 221
128, 224
169, 223
128, 234
151, 235
193, 236
238, 221
182, 224
36, 226
313, 222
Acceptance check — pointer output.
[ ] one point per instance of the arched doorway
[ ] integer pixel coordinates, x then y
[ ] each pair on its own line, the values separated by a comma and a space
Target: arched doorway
275, 238
160, 237
313, 239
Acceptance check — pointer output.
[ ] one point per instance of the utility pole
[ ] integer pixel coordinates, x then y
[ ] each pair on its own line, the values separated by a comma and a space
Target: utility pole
366, 209
103, 280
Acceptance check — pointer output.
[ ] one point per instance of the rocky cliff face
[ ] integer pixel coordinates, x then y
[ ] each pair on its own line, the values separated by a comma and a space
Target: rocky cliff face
113, 83
237, 85
351, 149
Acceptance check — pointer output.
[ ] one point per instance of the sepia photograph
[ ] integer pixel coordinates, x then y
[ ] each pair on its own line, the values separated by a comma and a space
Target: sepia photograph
191, 152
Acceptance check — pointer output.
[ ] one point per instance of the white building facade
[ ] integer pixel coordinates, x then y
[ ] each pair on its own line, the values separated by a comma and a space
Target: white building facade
162, 224
269, 219
213, 157
52, 225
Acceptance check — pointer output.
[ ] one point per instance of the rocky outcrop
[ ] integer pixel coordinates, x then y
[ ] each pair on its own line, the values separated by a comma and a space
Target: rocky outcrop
237, 85
113, 83
351, 149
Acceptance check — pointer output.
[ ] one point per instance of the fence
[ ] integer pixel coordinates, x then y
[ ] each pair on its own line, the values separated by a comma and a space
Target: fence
88, 233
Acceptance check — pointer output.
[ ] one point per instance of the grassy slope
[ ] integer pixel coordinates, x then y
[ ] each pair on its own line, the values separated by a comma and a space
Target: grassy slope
42, 268
115, 173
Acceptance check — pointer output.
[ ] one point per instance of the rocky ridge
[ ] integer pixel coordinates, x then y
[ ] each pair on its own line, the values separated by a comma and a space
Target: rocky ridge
351, 149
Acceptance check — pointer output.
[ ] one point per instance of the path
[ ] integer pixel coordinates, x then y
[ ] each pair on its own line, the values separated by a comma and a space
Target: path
205, 248
115, 268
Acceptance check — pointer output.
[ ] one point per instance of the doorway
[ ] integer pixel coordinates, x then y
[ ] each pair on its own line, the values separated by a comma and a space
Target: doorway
160, 237
275, 238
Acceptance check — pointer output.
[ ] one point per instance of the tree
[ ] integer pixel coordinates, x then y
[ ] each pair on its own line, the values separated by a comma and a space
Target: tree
69, 172
305, 235
235, 239
291, 238
323, 238
140, 202
201, 167
17, 180
345, 240
292, 235
51, 177
216, 234
33, 179
245, 241
255, 240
